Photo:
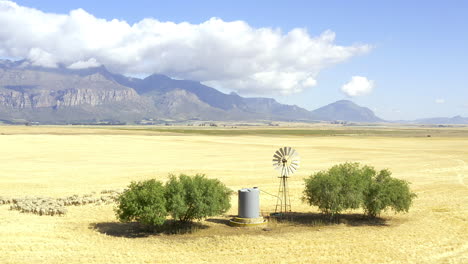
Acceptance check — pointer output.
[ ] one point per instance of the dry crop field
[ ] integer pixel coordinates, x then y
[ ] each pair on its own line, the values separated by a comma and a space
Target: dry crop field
63, 161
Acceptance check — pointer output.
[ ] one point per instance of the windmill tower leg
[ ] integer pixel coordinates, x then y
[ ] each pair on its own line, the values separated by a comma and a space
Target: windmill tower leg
287, 204
279, 197
287, 198
283, 200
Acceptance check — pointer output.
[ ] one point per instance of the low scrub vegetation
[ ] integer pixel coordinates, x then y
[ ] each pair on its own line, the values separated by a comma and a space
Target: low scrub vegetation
351, 186
189, 198
184, 198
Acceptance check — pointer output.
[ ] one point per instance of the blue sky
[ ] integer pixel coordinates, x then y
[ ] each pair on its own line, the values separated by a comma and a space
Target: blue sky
417, 60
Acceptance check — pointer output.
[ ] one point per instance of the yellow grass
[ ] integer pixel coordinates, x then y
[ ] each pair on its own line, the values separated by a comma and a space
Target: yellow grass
61, 161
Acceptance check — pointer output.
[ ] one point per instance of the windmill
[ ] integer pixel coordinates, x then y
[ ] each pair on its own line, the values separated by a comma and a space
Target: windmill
285, 160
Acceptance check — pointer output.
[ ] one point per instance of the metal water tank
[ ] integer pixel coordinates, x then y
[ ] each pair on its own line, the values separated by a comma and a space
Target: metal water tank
249, 203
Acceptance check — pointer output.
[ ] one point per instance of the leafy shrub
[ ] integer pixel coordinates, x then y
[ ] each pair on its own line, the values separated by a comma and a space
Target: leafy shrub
387, 192
196, 197
184, 198
350, 186
143, 202
339, 188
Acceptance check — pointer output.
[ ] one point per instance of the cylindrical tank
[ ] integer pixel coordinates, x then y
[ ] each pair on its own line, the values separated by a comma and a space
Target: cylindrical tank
249, 203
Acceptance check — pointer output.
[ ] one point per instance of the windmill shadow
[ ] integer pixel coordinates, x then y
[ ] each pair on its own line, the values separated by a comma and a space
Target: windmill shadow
218, 221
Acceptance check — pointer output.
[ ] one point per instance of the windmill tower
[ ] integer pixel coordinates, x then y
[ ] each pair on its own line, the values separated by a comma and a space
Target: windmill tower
286, 161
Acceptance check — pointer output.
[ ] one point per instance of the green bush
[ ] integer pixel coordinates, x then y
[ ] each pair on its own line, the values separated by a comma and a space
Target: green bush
337, 189
387, 192
189, 198
350, 186
143, 202
184, 198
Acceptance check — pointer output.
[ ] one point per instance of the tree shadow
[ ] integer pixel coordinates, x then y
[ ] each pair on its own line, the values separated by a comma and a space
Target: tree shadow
218, 221
318, 219
138, 230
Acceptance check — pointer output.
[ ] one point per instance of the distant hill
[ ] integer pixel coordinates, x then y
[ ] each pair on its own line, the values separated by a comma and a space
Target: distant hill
347, 111
232, 105
443, 120
61, 95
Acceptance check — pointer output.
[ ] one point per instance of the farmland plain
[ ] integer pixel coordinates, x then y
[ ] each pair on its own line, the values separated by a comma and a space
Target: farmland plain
62, 161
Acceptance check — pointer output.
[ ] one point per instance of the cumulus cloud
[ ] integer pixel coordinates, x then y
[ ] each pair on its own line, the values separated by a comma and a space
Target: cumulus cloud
440, 101
232, 55
84, 64
358, 86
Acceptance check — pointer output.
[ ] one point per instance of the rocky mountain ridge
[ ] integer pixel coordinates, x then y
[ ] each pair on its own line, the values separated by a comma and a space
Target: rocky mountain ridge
61, 95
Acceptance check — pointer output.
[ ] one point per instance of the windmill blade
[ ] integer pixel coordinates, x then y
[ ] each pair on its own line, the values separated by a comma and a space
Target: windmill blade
289, 151
293, 153
292, 171
292, 161
282, 152
277, 155
294, 166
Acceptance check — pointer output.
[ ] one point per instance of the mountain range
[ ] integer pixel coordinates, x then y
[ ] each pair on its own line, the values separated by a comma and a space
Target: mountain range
442, 120
61, 95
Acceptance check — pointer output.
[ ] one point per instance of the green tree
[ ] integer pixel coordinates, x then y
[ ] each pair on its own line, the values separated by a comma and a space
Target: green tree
386, 192
196, 197
339, 188
351, 186
143, 202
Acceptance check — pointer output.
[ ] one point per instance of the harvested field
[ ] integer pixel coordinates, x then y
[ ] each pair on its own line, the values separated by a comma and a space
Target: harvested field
61, 162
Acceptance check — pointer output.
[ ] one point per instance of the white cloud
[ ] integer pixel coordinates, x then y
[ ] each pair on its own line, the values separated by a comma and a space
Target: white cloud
39, 57
232, 55
440, 101
84, 64
358, 86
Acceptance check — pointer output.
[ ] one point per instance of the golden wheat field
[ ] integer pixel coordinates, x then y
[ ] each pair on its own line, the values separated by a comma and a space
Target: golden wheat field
62, 161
